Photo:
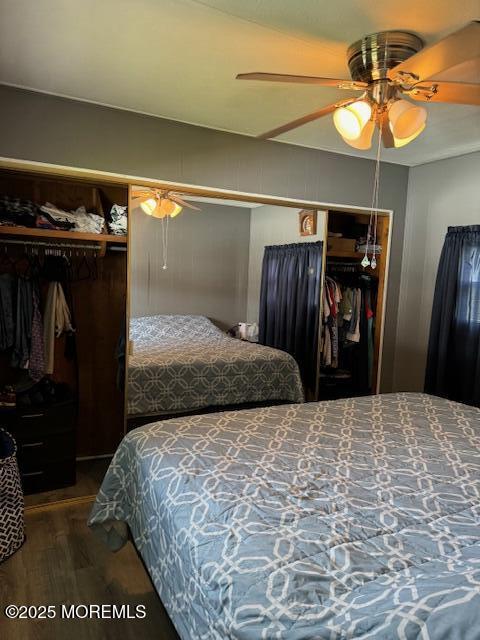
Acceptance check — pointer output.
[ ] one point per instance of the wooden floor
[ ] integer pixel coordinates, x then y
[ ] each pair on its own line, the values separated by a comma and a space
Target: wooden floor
90, 474
63, 562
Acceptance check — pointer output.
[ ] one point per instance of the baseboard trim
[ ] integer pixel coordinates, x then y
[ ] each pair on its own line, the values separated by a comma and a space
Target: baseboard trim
67, 502
101, 457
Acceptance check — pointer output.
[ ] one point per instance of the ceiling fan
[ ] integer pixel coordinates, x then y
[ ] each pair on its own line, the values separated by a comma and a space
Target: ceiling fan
385, 68
162, 203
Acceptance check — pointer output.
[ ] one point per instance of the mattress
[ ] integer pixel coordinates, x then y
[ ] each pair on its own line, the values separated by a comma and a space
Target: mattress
181, 363
355, 518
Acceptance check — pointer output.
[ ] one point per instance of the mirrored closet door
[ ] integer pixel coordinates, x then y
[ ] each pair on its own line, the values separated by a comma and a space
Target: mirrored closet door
224, 304
236, 304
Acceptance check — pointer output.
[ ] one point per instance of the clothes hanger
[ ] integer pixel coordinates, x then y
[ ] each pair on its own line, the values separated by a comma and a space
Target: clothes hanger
83, 264
35, 263
6, 261
25, 260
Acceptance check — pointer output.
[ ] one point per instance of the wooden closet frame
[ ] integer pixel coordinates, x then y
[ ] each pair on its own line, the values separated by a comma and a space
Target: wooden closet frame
131, 182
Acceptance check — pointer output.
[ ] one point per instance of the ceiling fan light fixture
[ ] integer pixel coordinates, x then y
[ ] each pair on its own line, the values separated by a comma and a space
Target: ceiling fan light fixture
406, 119
401, 142
159, 212
160, 207
362, 109
148, 206
178, 209
364, 140
169, 207
351, 119
347, 123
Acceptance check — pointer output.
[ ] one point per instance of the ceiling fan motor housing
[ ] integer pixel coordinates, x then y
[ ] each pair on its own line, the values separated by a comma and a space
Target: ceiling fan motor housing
370, 58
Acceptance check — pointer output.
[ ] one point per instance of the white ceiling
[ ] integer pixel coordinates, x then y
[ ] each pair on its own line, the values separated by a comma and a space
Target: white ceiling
178, 59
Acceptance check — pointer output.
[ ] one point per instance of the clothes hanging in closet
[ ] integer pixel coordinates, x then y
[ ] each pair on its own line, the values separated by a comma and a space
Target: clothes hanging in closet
23, 323
36, 363
57, 317
7, 314
21, 326
57, 320
347, 345
26, 335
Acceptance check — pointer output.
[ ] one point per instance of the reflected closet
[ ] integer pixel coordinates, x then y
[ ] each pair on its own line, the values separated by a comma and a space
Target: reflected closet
352, 305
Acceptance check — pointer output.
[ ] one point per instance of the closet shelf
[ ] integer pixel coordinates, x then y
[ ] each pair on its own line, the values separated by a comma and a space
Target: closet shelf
338, 253
61, 235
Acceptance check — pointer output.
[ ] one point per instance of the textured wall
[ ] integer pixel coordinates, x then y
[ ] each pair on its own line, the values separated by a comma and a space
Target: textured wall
48, 129
440, 194
207, 270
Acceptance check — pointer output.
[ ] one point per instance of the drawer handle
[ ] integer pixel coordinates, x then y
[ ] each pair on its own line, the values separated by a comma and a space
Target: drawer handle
32, 444
33, 415
32, 473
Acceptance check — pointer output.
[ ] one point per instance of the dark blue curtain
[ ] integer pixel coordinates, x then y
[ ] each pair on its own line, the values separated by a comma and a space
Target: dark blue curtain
289, 303
453, 363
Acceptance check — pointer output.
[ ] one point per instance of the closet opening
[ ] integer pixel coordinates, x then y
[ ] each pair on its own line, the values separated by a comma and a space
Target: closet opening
63, 273
352, 310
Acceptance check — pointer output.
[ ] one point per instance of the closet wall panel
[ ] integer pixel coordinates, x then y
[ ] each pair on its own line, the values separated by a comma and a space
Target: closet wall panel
49, 129
99, 313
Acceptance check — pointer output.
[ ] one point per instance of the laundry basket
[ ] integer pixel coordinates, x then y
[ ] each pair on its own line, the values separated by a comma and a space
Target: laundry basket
12, 523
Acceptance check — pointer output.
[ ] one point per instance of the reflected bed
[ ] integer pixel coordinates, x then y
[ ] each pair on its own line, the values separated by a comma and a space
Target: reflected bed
185, 363
356, 518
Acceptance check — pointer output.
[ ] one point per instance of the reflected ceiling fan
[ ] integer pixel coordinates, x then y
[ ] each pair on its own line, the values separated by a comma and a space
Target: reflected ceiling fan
161, 203
387, 67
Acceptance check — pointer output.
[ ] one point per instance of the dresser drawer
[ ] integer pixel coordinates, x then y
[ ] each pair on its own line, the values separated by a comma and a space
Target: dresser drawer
45, 421
32, 450
46, 477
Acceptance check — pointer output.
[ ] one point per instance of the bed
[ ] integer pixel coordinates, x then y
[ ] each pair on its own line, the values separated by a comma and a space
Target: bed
355, 518
184, 363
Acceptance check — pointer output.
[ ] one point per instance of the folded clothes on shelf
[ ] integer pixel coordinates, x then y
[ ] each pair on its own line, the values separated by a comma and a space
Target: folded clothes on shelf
78, 220
117, 223
43, 222
17, 212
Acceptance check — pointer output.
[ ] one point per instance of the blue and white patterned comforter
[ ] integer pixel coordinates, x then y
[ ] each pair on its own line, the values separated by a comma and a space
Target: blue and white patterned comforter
180, 363
356, 518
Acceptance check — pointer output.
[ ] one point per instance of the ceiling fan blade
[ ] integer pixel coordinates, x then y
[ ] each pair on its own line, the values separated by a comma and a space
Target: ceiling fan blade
182, 202
142, 194
456, 48
437, 91
285, 77
310, 117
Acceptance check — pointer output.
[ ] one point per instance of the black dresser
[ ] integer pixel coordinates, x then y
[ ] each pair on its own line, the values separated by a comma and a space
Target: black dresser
46, 443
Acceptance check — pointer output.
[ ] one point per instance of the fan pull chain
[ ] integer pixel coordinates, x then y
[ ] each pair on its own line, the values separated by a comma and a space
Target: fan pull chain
373, 220
373, 261
165, 242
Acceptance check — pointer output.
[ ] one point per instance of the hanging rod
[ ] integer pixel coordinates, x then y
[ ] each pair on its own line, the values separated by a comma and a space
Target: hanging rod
53, 245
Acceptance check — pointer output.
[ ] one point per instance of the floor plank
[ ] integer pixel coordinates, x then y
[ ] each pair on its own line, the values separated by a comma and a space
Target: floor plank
63, 562
90, 474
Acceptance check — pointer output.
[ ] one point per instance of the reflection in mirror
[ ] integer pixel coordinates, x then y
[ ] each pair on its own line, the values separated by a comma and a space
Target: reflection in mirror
224, 304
